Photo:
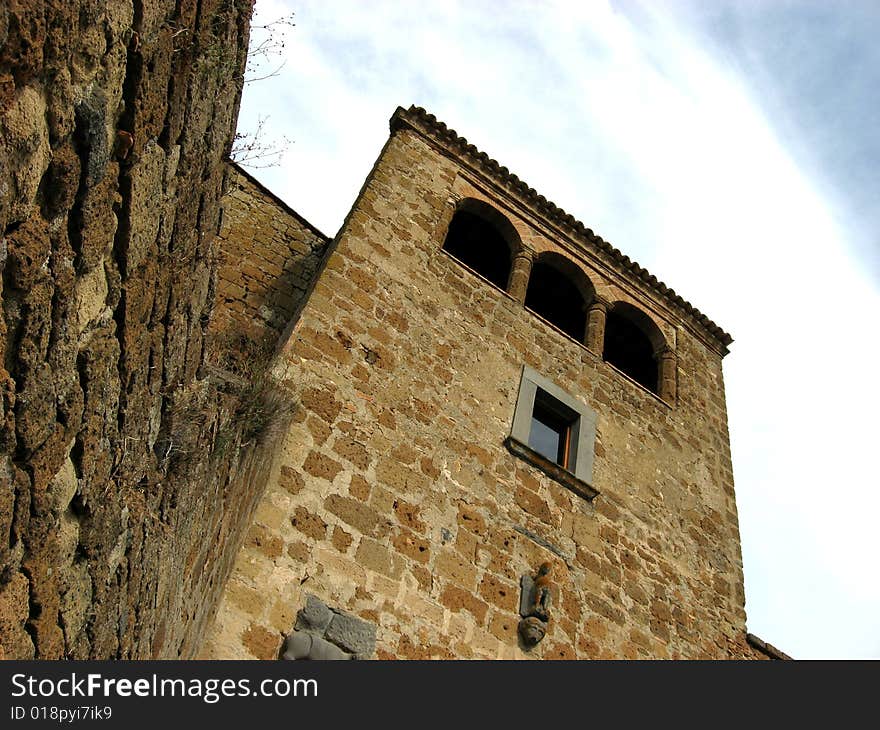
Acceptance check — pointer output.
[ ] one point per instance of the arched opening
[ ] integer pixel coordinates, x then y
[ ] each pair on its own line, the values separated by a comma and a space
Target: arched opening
483, 240
559, 292
631, 341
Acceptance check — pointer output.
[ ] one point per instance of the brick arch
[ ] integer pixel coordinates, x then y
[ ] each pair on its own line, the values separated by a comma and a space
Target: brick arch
642, 320
483, 239
491, 214
560, 291
572, 271
614, 295
634, 344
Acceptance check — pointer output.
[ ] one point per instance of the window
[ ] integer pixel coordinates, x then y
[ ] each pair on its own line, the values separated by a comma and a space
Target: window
554, 432
631, 340
550, 432
483, 240
558, 292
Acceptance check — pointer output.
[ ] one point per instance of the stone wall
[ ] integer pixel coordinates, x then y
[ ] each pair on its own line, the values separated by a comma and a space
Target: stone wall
126, 477
396, 500
268, 259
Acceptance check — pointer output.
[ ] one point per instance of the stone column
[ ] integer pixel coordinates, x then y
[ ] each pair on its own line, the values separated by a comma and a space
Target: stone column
595, 335
519, 274
667, 364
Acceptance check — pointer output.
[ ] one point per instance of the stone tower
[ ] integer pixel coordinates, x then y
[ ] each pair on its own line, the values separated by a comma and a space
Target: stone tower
482, 386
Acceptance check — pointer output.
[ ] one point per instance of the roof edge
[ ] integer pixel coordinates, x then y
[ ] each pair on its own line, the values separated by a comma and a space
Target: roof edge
263, 189
428, 125
765, 648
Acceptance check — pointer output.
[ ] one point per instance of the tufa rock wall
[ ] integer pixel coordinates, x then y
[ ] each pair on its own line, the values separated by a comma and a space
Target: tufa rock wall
126, 478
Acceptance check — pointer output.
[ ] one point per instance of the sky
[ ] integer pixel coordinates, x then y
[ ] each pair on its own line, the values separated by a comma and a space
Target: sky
730, 147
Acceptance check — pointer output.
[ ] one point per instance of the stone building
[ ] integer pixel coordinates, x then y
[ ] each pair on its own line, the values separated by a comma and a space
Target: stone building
480, 385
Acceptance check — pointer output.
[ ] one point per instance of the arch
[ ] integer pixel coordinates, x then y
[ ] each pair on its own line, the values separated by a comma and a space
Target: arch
632, 342
559, 291
483, 239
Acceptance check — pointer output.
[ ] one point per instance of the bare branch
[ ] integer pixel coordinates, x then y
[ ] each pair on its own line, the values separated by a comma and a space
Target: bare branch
267, 42
252, 149
255, 149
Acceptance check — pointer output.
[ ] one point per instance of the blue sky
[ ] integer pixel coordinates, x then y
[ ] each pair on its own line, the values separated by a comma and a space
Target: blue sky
729, 147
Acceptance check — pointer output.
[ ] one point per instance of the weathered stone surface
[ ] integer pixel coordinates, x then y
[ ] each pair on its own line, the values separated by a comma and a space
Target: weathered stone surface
133, 477
266, 263
352, 634
526, 596
129, 490
261, 642
323, 650
16, 643
315, 616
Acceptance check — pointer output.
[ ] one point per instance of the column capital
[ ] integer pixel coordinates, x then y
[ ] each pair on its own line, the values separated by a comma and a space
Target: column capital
599, 304
663, 352
524, 252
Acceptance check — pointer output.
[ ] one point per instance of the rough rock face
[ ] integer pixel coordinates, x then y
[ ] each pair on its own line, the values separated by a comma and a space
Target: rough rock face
124, 489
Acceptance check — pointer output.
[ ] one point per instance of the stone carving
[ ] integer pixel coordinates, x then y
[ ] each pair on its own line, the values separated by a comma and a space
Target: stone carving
541, 593
303, 645
532, 630
322, 633
315, 616
534, 606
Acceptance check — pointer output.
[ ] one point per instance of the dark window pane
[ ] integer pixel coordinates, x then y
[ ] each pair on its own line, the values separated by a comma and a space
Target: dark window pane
551, 428
545, 439
629, 349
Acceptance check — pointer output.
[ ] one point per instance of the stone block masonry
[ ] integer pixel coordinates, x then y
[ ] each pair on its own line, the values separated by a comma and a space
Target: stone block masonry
268, 258
125, 484
396, 500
